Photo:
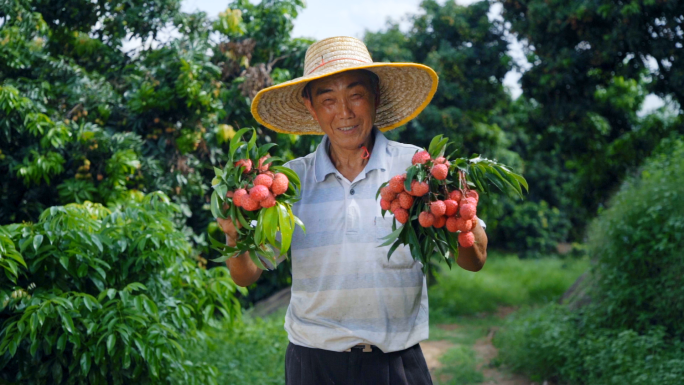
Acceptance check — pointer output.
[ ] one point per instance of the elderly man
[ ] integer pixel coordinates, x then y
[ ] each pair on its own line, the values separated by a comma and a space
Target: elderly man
355, 317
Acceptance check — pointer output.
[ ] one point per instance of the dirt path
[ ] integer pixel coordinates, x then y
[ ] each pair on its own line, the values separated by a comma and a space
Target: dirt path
485, 352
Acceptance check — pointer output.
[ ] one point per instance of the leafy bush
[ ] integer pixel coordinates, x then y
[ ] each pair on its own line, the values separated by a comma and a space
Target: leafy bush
638, 243
632, 332
504, 280
98, 295
531, 229
554, 343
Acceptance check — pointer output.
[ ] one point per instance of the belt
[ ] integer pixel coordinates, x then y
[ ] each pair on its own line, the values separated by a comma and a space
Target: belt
366, 347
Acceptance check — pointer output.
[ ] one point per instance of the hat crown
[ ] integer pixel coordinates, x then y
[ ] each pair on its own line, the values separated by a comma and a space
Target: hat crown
335, 52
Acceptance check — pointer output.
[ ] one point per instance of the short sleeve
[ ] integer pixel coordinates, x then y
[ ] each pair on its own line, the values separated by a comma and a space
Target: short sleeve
482, 223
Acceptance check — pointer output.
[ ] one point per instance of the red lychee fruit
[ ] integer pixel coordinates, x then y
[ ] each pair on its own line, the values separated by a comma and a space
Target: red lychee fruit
467, 211
396, 184
426, 219
395, 205
230, 194
464, 224
258, 193
280, 184
270, 201
263, 167
250, 204
451, 225
473, 194
385, 205
439, 222
456, 195
419, 189
438, 208
263, 180
471, 201
269, 173
440, 171
440, 160
401, 215
237, 197
451, 207
387, 194
405, 200
466, 239
420, 157
247, 163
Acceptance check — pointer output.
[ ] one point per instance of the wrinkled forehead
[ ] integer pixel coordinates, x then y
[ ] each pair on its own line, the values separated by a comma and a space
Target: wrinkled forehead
344, 79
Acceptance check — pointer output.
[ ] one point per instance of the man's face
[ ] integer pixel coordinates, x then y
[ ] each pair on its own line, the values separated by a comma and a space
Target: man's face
344, 106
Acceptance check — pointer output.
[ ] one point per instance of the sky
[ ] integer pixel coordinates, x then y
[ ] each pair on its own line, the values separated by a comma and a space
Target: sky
326, 18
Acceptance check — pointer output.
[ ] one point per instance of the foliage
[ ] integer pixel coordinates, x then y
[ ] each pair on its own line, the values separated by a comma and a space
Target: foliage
504, 280
251, 352
533, 229
277, 219
82, 118
104, 295
588, 76
553, 343
638, 243
459, 367
631, 332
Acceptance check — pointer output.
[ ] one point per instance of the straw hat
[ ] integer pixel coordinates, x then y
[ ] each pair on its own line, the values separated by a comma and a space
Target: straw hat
405, 88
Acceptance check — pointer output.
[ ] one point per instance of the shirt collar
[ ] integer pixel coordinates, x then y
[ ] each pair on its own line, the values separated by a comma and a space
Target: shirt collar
378, 160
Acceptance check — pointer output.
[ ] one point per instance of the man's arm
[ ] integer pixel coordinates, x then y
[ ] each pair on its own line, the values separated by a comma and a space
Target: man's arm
242, 270
473, 258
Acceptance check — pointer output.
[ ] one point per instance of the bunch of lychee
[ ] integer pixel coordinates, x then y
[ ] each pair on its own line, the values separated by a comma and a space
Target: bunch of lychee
263, 189
456, 212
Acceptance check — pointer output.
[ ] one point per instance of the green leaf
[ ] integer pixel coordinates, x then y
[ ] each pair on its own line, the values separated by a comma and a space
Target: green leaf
37, 241
235, 142
252, 141
286, 227
85, 363
111, 342
392, 236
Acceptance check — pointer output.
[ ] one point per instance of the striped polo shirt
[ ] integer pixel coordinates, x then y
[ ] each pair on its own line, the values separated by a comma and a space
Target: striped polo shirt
344, 289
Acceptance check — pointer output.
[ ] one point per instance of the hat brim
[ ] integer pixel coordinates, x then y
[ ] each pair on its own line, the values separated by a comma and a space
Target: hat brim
405, 90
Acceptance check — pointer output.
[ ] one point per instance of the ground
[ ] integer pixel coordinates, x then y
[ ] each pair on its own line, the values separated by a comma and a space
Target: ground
470, 341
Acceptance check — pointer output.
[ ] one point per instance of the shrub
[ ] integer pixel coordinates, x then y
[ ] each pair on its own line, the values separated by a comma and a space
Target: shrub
554, 343
638, 244
531, 229
105, 296
632, 332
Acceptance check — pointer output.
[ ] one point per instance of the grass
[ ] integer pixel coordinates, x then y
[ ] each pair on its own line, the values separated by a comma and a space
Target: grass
505, 280
250, 353
462, 304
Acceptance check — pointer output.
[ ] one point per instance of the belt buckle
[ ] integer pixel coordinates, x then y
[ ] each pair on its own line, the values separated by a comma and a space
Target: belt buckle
366, 348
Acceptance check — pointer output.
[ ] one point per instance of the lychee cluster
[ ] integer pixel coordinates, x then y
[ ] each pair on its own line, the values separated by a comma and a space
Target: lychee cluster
397, 199
456, 212
265, 187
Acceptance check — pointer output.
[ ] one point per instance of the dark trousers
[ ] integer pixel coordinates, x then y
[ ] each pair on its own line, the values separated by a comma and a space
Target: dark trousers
307, 366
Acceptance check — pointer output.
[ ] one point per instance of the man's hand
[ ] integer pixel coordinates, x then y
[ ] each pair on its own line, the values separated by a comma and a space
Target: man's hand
243, 271
473, 258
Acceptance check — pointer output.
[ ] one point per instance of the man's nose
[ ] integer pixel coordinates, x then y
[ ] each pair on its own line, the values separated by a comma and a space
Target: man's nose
345, 110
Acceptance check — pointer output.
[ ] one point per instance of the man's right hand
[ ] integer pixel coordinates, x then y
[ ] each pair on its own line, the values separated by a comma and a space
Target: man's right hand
229, 229
243, 271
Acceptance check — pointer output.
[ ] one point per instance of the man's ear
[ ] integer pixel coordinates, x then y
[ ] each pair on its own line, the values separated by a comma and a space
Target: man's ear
309, 106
